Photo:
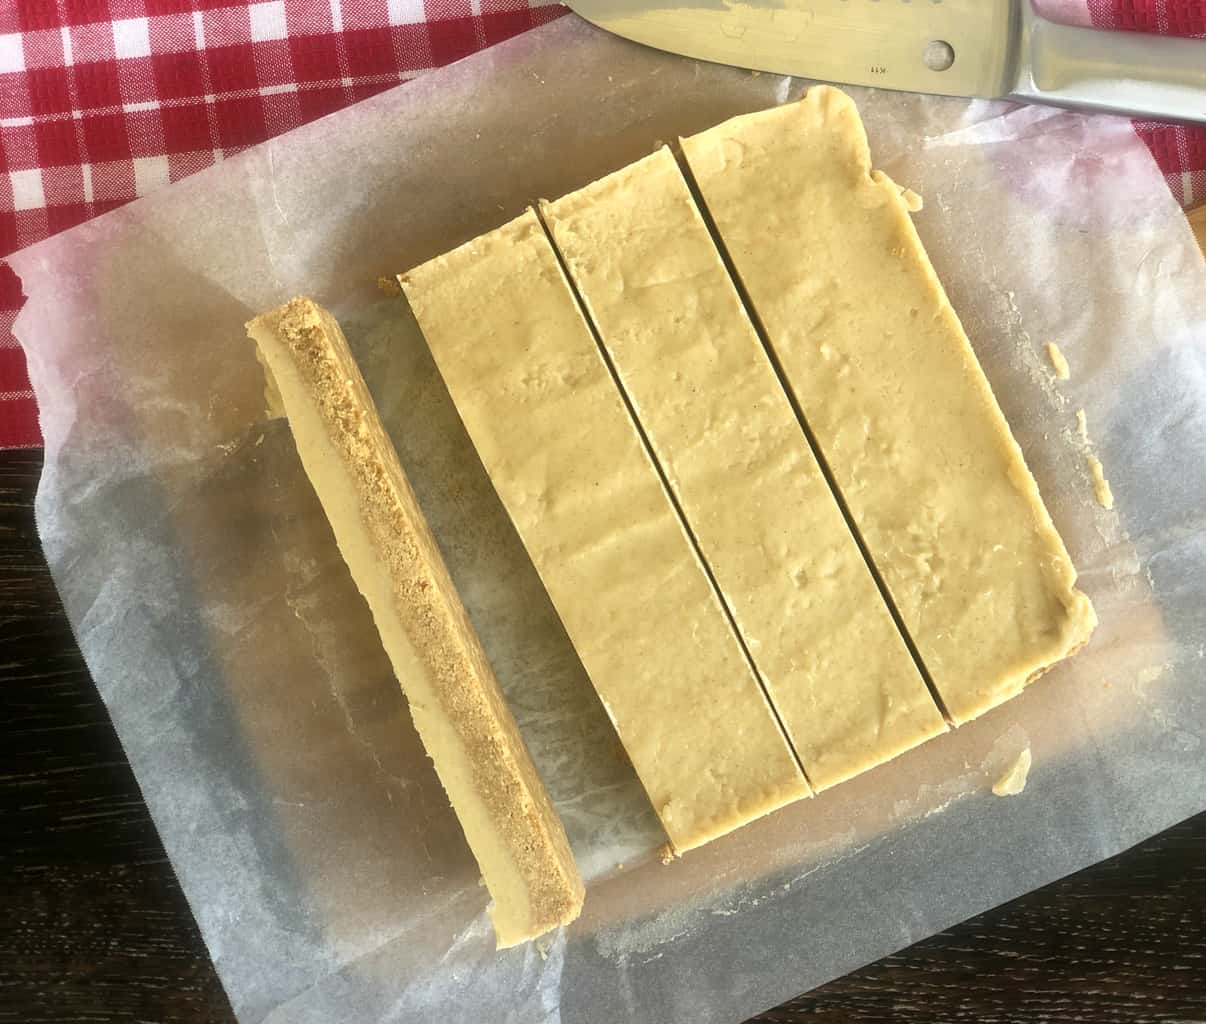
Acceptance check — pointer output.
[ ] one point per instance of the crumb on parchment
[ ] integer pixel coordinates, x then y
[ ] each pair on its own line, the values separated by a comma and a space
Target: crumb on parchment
1058, 361
1101, 486
1014, 781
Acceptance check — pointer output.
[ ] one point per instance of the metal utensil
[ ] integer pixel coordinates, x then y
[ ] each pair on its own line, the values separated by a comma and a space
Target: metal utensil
986, 48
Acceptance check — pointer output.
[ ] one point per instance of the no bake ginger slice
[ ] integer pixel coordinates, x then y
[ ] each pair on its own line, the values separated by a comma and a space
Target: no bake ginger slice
565, 457
455, 700
889, 384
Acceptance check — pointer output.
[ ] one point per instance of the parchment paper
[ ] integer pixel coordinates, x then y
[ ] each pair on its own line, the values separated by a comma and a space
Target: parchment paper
241, 668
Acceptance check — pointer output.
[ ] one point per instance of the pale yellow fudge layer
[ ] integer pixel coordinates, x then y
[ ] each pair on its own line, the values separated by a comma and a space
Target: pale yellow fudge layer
823, 641
891, 388
553, 432
455, 700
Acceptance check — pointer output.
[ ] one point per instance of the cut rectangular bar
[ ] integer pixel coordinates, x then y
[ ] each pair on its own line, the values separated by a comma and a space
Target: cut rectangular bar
568, 463
455, 700
823, 641
892, 391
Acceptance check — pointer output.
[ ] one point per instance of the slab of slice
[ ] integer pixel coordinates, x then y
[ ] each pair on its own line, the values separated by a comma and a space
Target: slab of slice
892, 391
552, 430
832, 660
458, 709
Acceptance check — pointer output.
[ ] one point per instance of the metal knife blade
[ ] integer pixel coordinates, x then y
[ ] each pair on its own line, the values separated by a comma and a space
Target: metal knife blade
986, 48
947, 47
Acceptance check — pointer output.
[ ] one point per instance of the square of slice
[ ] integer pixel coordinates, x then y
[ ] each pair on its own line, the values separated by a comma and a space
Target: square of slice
457, 706
892, 391
822, 638
568, 463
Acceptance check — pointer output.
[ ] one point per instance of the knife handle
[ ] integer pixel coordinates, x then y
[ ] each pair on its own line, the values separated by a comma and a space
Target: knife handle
1129, 73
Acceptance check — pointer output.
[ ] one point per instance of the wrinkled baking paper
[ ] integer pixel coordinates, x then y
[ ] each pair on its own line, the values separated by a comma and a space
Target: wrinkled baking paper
241, 668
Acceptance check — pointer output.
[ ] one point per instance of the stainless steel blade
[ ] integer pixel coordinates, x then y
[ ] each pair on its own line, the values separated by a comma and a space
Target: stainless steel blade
948, 47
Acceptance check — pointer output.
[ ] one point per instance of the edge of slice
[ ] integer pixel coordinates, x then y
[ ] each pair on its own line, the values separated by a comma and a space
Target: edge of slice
455, 700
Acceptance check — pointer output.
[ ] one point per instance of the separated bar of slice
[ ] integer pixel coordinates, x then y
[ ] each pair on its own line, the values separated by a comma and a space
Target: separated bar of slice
823, 641
458, 708
552, 430
894, 395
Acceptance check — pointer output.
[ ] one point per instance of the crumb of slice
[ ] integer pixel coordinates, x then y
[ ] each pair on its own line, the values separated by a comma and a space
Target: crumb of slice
1014, 781
389, 287
1058, 362
1101, 486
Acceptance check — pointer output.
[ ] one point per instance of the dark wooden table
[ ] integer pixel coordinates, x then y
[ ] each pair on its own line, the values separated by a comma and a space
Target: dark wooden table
94, 928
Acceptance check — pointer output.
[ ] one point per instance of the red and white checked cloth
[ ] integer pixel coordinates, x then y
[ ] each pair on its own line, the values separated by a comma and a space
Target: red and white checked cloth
103, 100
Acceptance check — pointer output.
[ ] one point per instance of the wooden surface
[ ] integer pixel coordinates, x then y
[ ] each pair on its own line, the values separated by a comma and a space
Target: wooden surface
94, 928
